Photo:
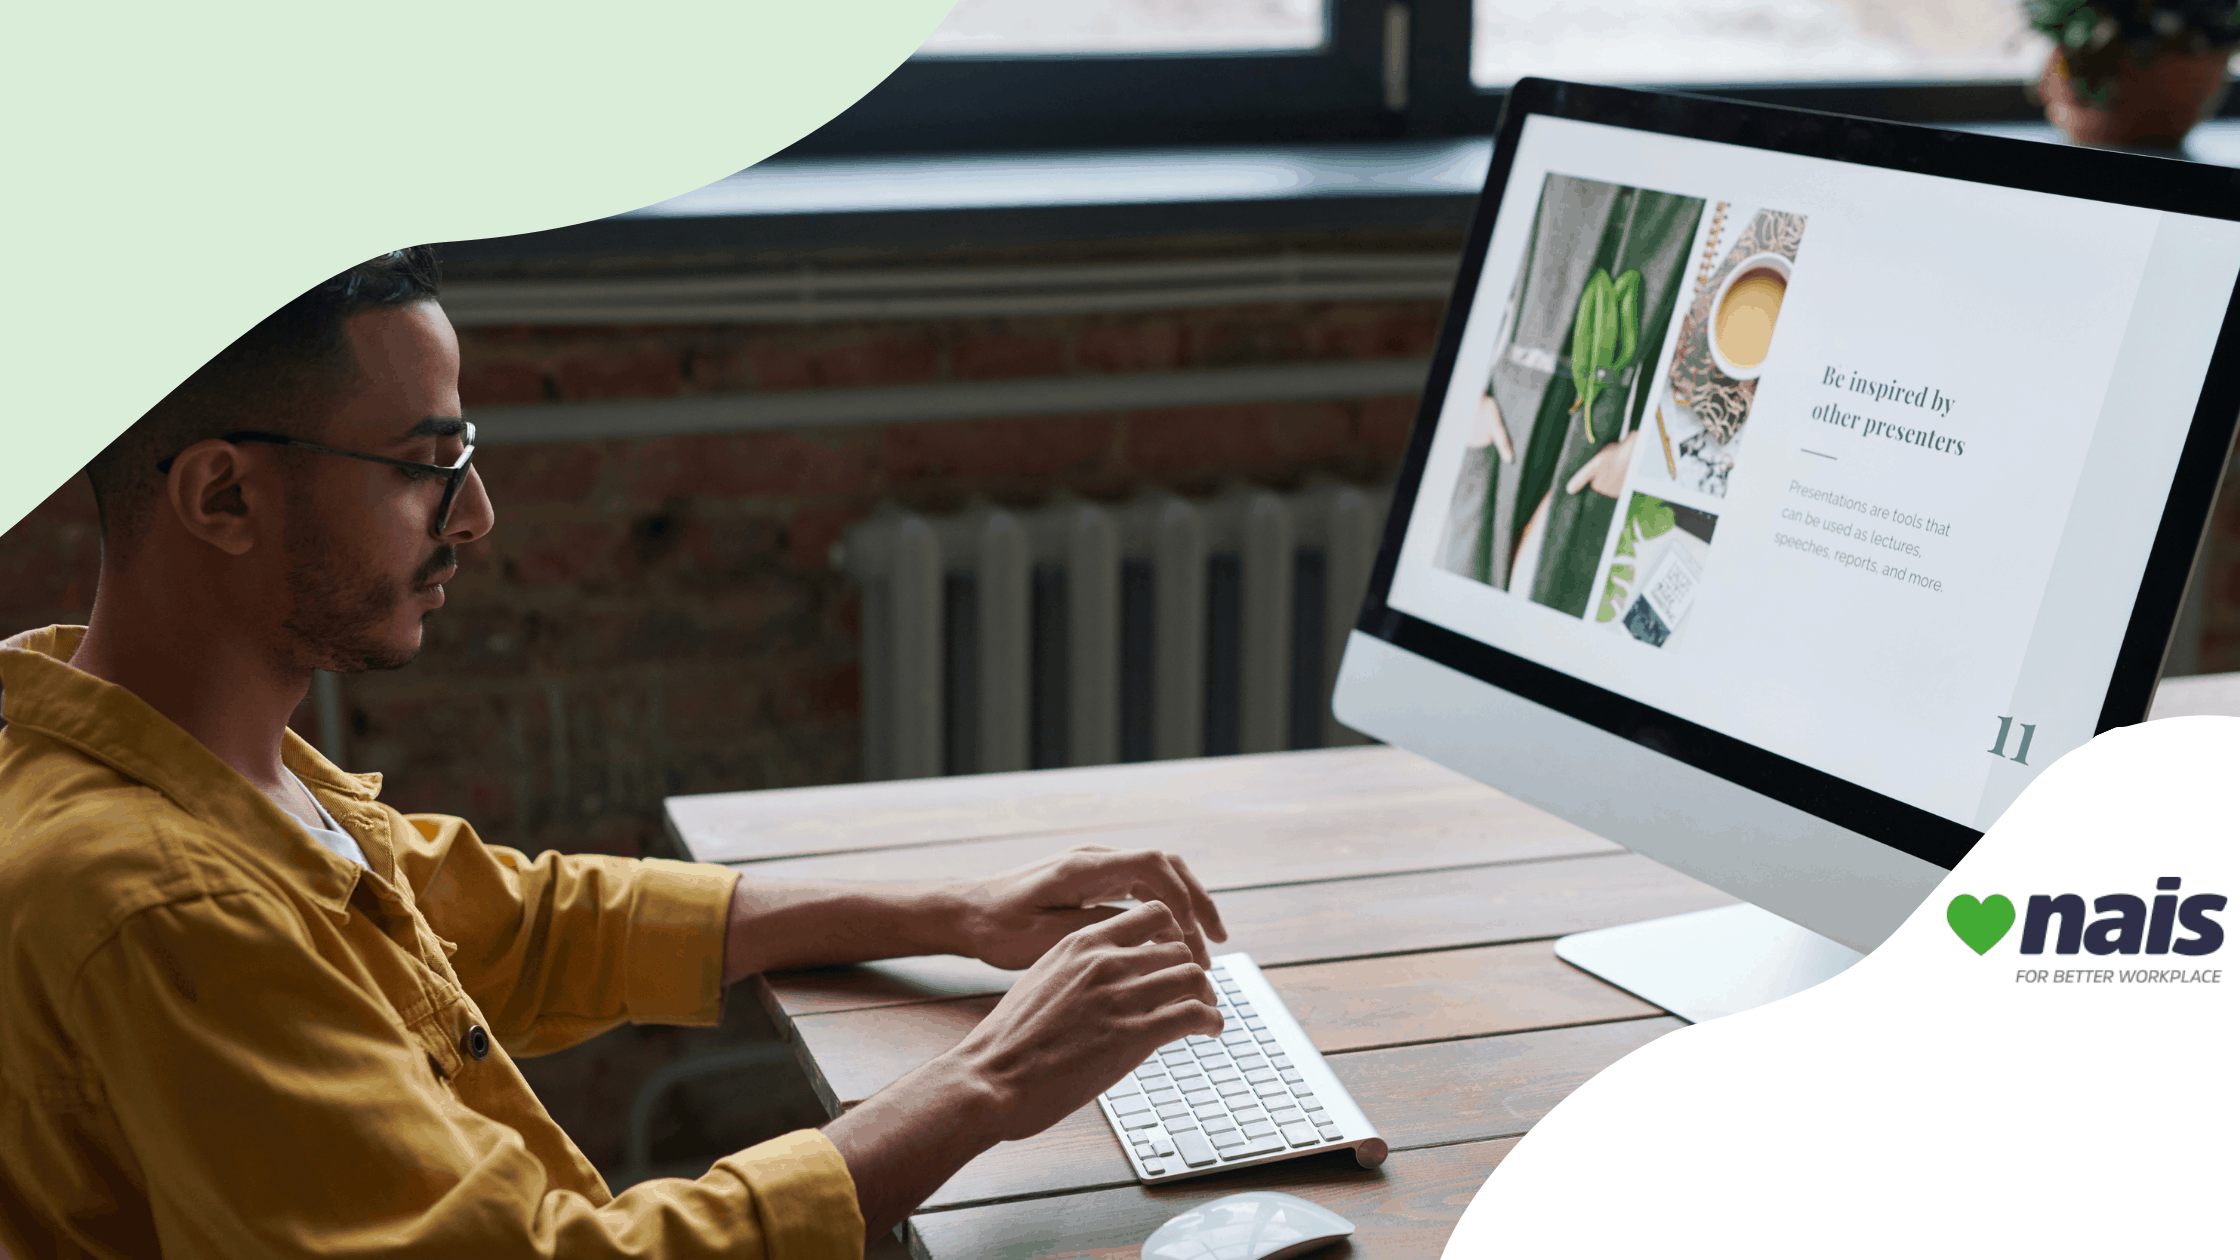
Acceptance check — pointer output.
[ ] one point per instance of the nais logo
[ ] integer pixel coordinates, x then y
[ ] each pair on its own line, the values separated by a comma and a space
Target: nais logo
2127, 925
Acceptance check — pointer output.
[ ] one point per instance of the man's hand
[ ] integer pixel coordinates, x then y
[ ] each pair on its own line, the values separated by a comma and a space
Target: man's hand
1097, 1004
1486, 429
1012, 919
1093, 1009
1605, 471
1008, 920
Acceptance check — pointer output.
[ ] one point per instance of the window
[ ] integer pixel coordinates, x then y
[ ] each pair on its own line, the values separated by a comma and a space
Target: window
1740, 41
988, 28
1084, 74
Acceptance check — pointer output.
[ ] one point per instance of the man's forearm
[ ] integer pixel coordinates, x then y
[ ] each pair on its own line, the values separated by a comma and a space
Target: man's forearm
902, 1143
775, 926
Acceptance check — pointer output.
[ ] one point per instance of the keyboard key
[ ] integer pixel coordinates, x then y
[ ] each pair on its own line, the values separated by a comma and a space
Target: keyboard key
1196, 1039
1260, 1146
1271, 1089
1293, 1077
1220, 1075
1200, 1097
1232, 1089
1162, 1144
1250, 1062
1267, 1038
1260, 1130
1287, 1115
1160, 1097
1249, 1115
1173, 1111
1301, 1134
1211, 1050
1306, 1099
1130, 1106
1257, 1075
1188, 1071
1140, 1120
1255, 1023
1220, 1124
1228, 1138
1210, 1112
1194, 1149
1128, 1085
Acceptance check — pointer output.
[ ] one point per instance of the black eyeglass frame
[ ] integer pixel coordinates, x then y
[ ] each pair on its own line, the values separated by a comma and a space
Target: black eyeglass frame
455, 474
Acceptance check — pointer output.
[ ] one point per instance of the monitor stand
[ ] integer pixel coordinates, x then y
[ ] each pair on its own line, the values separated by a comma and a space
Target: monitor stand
1708, 963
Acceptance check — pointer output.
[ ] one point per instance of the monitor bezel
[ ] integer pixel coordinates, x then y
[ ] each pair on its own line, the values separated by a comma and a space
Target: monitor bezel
2096, 175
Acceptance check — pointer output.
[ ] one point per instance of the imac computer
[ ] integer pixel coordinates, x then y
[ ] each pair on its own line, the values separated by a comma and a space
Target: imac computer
1788, 491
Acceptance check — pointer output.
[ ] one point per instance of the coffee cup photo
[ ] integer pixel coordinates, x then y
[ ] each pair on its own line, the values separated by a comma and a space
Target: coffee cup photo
1743, 313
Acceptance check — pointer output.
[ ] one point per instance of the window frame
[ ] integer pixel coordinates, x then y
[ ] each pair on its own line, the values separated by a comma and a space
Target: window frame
1336, 93
954, 104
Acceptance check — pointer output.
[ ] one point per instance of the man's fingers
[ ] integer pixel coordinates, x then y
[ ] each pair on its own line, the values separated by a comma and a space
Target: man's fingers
1149, 921
1143, 874
1160, 882
1065, 921
1585, 474
1209, 918
1500, 431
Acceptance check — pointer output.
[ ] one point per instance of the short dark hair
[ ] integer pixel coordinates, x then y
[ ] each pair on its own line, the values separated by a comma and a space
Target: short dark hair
278, 376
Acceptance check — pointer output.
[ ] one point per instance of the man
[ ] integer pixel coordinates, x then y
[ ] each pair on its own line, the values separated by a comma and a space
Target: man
249, 1011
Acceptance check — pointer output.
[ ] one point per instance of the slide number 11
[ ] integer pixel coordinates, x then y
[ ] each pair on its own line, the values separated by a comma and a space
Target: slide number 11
2021, 752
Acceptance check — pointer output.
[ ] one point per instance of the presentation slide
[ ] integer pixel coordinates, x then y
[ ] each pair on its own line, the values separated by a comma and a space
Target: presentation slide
1859, 466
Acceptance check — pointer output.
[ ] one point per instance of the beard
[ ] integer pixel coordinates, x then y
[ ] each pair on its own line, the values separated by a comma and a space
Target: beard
339, 604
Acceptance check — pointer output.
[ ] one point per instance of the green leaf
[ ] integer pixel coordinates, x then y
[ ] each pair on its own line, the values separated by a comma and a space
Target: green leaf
1628, 293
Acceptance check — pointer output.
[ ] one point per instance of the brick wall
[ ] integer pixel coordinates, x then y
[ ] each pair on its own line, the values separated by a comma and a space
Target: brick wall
658, 616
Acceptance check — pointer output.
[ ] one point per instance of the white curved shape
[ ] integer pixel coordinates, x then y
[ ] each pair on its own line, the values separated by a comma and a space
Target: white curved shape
1930, 1100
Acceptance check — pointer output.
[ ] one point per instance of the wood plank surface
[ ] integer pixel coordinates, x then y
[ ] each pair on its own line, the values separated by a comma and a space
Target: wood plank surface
792, 822
1405, 1210
1357, 1005
1417, 1096
1351, 918
1243, 851
1368, 1002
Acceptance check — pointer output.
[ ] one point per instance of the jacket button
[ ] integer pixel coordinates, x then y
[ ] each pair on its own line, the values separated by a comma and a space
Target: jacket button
478, 1042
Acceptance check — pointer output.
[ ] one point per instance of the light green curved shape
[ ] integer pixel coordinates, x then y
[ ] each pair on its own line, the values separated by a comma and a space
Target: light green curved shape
177, 172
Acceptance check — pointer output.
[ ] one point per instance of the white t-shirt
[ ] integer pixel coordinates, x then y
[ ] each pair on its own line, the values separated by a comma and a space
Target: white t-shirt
332, 836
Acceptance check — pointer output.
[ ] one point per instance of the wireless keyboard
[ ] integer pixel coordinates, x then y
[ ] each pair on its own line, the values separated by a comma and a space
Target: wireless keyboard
1259, 1092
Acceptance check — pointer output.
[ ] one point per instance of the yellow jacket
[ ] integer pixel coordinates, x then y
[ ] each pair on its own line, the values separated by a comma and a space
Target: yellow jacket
218, 1039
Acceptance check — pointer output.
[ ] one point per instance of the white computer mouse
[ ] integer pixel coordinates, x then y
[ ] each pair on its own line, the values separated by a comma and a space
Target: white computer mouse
1256, 1225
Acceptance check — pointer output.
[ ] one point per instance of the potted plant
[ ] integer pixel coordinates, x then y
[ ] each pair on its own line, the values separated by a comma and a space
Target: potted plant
2134, 73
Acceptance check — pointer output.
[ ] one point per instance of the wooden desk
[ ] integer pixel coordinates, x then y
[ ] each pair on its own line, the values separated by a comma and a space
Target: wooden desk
1406, 914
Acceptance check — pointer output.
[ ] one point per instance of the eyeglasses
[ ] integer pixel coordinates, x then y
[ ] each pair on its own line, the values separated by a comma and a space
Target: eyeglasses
454, 474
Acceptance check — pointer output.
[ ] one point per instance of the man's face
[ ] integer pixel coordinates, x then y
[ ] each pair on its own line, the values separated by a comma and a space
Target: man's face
363, 568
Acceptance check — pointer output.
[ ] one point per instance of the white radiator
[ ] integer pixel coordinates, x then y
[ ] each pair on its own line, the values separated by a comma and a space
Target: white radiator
1081, 634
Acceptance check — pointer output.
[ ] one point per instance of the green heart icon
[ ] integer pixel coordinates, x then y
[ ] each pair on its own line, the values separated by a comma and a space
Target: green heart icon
1980, 923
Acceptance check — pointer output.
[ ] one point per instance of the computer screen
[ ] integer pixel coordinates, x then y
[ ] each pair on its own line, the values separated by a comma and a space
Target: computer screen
1830, 458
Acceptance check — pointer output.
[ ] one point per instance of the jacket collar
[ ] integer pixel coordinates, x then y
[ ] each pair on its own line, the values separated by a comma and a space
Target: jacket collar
40, 692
